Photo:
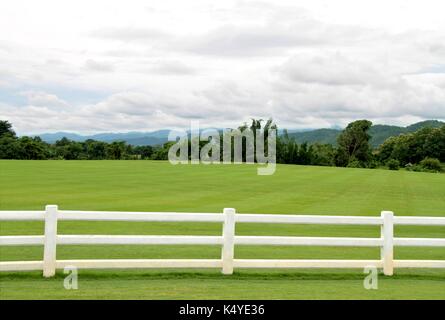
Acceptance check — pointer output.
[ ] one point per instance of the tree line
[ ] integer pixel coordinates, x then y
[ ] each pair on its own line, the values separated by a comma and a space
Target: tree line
422, 150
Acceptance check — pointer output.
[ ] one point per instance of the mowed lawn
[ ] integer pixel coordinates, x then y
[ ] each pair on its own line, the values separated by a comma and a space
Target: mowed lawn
160, 186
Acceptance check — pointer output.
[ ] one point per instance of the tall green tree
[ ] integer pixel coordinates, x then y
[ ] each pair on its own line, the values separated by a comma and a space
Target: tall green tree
116, 150
321, 154
287, 149
145, 152
304, 155
414, 147
95, 149
32, 149
353, 143
6, 129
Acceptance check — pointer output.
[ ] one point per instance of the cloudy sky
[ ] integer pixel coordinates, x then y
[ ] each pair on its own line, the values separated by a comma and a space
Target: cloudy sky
95, 66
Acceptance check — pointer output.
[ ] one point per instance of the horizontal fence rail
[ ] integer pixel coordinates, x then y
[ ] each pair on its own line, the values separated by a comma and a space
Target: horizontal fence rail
227, 240
306, 219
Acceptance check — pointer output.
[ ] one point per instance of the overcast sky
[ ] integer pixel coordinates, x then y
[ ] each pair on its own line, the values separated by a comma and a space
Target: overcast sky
95, 66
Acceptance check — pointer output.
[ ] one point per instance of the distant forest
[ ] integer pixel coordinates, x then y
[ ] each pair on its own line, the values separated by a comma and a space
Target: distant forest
378, 132
419, 147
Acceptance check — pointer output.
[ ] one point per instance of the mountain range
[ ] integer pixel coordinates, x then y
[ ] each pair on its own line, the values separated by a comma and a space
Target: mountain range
134, 138
378, 132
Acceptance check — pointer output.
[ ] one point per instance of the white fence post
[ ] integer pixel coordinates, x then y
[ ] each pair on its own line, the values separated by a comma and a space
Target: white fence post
228, 246
49, 250
387, 250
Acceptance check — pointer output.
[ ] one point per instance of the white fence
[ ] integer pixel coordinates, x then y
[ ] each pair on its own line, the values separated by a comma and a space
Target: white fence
227, 240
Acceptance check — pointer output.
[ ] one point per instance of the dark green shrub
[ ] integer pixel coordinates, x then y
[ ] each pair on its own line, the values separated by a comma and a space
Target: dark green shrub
414, 167
355, 164
431, 164
393, 164
373, 164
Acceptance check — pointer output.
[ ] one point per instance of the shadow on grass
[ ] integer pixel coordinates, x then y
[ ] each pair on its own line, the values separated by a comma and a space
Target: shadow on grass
175, 274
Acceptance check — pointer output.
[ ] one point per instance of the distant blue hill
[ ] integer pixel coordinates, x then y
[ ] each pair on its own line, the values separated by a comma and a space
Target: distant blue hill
134, 138
379, 134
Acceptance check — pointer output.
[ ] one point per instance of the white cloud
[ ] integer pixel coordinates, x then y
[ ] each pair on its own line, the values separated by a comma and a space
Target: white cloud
39, 98
112, 66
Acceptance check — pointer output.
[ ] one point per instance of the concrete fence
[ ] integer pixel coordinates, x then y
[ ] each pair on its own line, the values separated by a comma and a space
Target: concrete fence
228, 240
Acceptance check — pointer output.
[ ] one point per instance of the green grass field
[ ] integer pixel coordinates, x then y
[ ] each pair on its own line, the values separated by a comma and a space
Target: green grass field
159, 186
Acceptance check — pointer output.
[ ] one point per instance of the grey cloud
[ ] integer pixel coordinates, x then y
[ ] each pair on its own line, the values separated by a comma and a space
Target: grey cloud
128, 34
329, 70
127, 103
241, 40
338, 86
99, 66
232, 100
172, 68
232, 40
437, 49
330, 102
148, 105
